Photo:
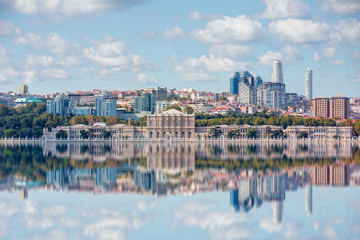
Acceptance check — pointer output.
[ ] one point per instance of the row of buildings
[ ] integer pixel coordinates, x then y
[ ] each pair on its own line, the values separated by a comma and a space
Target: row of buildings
173, 124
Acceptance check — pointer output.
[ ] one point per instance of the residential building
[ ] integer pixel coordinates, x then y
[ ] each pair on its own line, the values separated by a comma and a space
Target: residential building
277, 75
23, 89
308, 83
59, 105
321, 107
105, 107
339, 107
161, 106
145, 103
271, 95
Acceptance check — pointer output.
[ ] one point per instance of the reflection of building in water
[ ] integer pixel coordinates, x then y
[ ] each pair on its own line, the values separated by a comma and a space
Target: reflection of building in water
308, 199
277, 208
23, 194
82, 179
234, 198
337, 174
145, 179
171, 158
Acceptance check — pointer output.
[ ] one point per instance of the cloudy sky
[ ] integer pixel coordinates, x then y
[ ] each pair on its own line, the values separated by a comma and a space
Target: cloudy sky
74, 45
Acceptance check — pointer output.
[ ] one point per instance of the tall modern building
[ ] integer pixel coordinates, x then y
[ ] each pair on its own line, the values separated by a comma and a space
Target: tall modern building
321, 107
234, 83
271, 95
59, 105
308, 83
105, 107
277, 75
145, 103
23, 89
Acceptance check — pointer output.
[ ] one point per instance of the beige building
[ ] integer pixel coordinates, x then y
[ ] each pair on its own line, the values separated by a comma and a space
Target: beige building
335, 107
170, 124
320, 133
339, 107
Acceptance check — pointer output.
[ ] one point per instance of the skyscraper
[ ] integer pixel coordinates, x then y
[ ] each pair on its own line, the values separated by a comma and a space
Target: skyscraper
308, 199
234, 83
23, 89
308, 83
277, 75
271, 95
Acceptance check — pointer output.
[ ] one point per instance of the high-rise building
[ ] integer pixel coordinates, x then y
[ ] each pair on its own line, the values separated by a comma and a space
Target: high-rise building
277, 75
248, 88
308, 83
321, 107
336, 107
59, 105
145, 103
23, 89
234, 83
340, 107
271, 95
105, 107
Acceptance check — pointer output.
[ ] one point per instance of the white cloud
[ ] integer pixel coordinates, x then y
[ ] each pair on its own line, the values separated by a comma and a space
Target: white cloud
291, 54
3, 55
8, 74
350, 30
196, 16
355, 78
112, 53
143, 78
285, 9
43, 61
69, 62
234, 232
56, 73
172, 33
30, 76
197, 77
231, 50
57, 10
230, 30
329, 52
316, 57
268, 225
54, 43
267, 59
341, 7
337, 62
295, 30
8, 28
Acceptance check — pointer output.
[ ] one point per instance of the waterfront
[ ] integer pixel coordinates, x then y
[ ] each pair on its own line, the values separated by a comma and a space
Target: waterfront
180, 190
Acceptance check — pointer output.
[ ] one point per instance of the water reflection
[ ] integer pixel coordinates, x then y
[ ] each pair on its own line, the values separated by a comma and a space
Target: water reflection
250, 177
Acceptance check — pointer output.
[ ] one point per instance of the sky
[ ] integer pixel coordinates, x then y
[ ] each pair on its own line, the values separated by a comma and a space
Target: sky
72, 45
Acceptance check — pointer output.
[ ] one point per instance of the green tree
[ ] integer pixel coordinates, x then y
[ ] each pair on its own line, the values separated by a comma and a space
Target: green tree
251, 133
303, 135
188, 110
4, 110
176, 107
215, 132
61, 134
336, 137
268, 131
233, 133
10, 133
356, 127
84, 134
106, 134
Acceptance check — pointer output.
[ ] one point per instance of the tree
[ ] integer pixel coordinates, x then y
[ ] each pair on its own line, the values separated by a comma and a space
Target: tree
223, 98
10, 133
61, 134
176, 107
84, 134
336, 137
106, 134
303, 134
89, 119
3, 110
215, 132
268, 131
356, 127
78, 120
233, 133
251, 133
188, 110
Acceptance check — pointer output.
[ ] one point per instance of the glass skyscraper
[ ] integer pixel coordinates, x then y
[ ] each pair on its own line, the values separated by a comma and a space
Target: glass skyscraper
234, 83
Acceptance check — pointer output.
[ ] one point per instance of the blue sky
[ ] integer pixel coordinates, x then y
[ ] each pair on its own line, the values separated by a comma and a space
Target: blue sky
54, 46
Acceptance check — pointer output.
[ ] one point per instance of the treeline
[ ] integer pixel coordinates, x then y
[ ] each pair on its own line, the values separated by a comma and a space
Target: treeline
29, 121
258, 119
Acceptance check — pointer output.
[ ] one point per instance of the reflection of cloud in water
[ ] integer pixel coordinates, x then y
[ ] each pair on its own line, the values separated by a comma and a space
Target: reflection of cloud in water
221, 225
268, 225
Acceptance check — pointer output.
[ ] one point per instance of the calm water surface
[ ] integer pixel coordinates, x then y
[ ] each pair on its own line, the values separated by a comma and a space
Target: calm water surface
180, 191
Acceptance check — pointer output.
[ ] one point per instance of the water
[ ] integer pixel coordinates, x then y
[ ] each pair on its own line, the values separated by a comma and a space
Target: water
180, 191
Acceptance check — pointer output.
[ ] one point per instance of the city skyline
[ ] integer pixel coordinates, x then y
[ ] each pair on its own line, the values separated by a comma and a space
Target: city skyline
91, 45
